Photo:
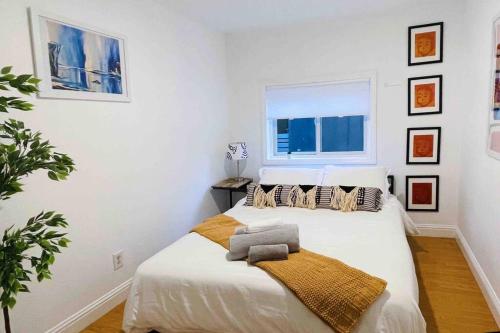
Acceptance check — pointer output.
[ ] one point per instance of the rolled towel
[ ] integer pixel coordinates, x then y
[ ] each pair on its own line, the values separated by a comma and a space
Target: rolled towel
284, 234
259, 226
267, 252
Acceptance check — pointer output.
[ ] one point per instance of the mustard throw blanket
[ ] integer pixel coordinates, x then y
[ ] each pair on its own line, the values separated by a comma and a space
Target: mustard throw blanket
335, 292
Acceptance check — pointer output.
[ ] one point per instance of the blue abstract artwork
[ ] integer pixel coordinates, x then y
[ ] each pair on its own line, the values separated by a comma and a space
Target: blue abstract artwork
82, 60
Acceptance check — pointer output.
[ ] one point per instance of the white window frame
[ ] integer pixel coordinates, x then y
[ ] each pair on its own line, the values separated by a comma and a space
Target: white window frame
369, 156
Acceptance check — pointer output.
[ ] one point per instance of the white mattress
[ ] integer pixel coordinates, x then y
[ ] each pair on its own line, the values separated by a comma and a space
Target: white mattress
191, 287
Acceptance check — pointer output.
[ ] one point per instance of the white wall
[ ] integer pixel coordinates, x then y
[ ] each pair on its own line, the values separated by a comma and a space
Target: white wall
480, 192
350, 46
144, 168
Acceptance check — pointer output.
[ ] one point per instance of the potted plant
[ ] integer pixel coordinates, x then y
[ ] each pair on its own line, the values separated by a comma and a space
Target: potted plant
29, 250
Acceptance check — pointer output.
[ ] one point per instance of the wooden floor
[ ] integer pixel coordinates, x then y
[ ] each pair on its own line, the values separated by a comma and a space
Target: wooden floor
450, 299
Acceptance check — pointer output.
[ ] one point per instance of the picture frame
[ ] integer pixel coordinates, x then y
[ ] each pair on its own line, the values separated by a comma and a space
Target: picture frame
78, 61
422, 193
425, 95
493, 142
423, 145
425, 44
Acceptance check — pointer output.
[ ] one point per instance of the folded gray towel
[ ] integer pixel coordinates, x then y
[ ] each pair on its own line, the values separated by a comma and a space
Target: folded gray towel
259, 226
285, 234
258, 253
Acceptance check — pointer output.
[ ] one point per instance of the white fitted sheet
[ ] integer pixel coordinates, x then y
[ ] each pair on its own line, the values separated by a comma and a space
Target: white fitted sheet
191, 287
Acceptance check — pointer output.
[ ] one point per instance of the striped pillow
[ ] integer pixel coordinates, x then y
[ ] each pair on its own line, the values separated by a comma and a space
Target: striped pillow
250, 192
370, 199
280, 196
324, 197
367, 199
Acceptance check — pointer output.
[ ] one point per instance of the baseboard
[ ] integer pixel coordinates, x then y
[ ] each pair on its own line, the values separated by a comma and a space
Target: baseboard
102, 305
86, 316
481, 278
437, 230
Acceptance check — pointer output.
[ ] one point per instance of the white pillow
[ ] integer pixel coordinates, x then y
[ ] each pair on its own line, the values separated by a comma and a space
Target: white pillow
357, 176
291, 176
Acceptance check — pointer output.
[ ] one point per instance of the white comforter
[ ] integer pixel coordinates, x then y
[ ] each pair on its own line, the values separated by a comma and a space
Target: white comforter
191, 287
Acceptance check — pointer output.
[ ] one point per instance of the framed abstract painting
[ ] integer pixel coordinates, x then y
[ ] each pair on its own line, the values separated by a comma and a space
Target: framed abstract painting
77, 61
425, 95
494, 112
425, 44
423, 145
422, 193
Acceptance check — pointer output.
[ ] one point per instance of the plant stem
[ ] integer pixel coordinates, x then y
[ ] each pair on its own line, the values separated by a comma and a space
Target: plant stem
6, 319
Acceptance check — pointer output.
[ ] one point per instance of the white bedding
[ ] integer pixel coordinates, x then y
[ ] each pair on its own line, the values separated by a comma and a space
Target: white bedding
191, 287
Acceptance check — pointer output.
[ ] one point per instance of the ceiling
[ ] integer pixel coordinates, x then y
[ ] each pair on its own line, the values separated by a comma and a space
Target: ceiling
238, 15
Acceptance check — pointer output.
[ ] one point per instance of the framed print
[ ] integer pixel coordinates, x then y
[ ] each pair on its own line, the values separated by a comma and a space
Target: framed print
494, 141
495, 107
425, 44
493, 147
76, 61
423, 145
425, 95
422, 193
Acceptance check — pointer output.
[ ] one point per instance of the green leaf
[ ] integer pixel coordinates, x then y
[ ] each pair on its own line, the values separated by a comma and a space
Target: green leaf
48, 215
34, 80
52, 175
7, 77
22, 78
11, 302
6, 70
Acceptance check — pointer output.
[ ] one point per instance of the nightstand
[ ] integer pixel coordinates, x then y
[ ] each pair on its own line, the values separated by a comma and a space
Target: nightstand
232, 185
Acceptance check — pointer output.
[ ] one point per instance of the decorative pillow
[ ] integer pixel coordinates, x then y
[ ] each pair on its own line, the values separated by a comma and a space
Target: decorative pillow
370, 199
260, 195
324, 197
344, 198
250, 190
284, 192
303, 196
353, 198
280, 195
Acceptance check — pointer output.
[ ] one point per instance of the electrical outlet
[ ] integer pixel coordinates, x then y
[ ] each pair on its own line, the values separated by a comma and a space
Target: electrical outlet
118, 260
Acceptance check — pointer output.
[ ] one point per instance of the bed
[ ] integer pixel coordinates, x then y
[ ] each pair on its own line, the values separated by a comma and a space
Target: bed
191, 287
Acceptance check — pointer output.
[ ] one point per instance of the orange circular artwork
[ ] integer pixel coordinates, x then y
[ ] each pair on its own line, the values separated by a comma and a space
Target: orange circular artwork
425, 95
425, 44
423, 145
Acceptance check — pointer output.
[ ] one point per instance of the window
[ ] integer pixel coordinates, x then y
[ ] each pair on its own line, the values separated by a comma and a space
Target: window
330, 122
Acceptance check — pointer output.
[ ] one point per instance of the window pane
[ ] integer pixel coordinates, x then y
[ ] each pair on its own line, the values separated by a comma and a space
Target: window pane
342, 134
302, 135
282, 136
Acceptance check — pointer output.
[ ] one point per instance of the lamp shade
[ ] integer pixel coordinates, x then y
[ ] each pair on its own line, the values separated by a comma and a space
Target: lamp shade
237, 151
